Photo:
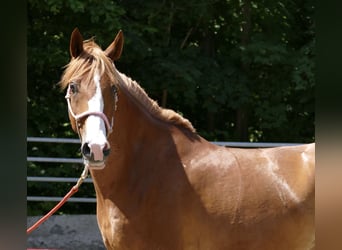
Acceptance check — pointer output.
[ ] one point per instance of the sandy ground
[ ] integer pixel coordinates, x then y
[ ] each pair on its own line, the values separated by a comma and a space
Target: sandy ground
70, 232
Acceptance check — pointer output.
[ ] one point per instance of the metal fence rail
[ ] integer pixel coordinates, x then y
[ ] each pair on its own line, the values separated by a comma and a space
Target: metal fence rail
89, 180
253, 144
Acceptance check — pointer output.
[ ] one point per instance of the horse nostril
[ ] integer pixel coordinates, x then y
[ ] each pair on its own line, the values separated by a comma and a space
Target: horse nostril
86, 150
106, 150
88, 154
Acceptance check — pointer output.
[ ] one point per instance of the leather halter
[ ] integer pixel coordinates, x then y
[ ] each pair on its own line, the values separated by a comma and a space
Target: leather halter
109, 126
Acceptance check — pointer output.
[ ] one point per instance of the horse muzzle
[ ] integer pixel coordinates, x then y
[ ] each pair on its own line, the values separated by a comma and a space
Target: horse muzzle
94, 155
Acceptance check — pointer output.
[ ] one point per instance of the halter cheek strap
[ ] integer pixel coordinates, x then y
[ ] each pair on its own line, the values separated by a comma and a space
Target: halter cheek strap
88, 113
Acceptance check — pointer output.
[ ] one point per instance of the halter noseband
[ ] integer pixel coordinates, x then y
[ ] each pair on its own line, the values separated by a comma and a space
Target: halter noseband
88, 113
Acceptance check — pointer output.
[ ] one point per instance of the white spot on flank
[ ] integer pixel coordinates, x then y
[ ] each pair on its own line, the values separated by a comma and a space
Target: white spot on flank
95, 132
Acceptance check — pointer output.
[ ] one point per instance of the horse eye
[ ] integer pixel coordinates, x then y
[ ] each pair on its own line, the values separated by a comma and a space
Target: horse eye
73, 87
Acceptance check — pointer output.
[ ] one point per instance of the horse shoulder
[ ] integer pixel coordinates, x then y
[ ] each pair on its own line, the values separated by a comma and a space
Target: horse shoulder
215, 177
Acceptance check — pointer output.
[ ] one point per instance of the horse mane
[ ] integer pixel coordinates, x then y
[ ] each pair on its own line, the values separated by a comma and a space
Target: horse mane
152, 106
93, 60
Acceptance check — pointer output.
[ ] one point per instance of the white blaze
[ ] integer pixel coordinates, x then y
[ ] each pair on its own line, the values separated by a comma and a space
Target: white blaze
95, 130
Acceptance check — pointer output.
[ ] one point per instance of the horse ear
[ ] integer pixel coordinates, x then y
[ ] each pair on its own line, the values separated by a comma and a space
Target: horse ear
76, 43
114, 50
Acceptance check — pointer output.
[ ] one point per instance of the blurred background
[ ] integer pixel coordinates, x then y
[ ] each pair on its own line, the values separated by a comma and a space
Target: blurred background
238, 70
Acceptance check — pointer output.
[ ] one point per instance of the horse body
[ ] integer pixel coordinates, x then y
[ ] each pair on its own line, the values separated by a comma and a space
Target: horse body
202, 196
165, 187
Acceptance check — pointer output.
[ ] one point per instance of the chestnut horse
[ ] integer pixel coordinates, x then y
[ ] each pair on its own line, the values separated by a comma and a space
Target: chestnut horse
159, 185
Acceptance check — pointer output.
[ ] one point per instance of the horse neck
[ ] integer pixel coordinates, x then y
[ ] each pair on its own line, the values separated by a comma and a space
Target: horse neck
135, 130
133, 123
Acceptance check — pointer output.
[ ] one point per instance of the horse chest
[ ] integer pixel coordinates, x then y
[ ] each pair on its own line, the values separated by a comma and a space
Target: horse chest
110, 222
120, 232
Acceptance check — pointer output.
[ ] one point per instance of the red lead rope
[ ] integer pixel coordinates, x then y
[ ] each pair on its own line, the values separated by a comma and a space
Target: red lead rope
73, 190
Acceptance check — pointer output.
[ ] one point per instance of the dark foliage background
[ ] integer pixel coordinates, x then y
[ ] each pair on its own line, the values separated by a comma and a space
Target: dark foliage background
238, 70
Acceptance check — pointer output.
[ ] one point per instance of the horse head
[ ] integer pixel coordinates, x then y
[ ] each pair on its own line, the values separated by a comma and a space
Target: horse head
87, 78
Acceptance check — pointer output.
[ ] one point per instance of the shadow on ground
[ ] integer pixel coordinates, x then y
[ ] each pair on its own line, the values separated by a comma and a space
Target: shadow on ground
67, 232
